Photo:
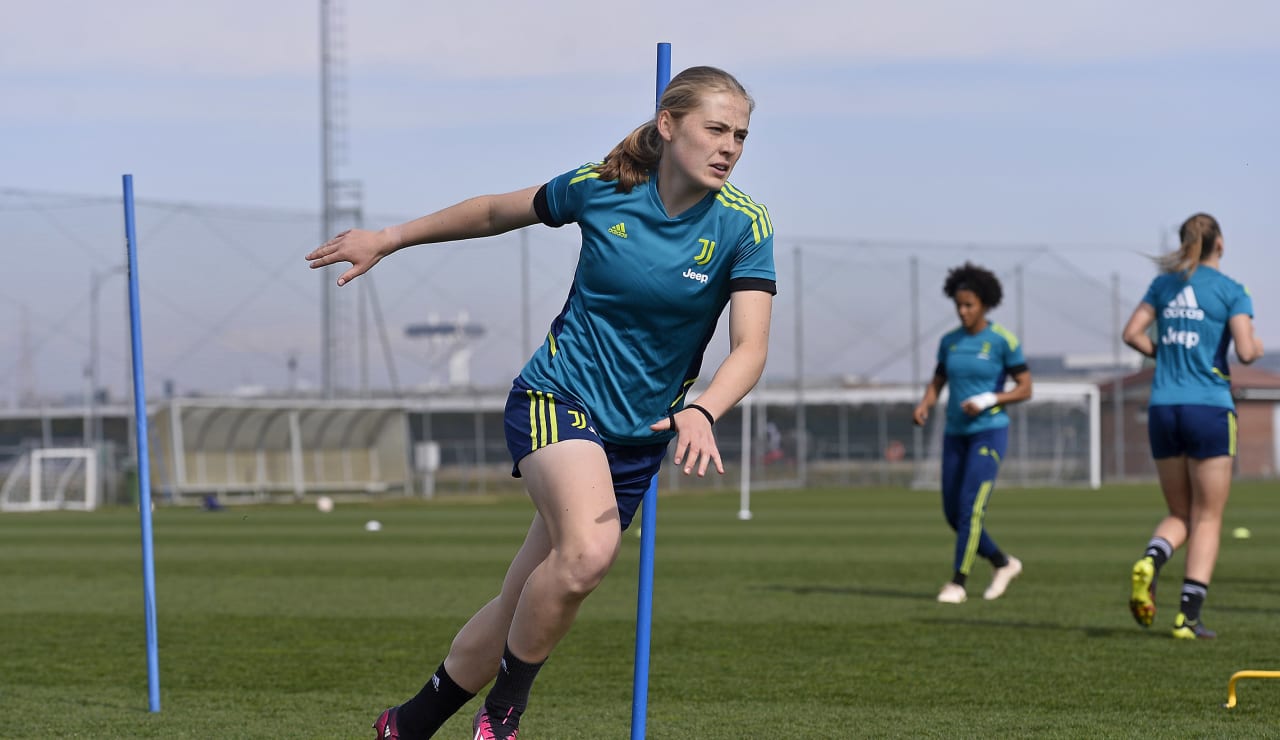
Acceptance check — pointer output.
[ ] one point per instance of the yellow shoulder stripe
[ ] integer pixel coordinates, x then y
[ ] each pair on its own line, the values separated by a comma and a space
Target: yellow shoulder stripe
731, 197
1008, 335
588, 171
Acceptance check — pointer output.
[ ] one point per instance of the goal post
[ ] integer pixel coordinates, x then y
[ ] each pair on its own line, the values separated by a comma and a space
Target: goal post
864, 435
1055, 439
52, 478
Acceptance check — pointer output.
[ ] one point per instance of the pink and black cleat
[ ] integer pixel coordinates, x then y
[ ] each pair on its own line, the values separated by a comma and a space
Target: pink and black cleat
385, 725
484, 728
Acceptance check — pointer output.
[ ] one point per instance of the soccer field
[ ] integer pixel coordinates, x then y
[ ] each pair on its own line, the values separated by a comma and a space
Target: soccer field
816, 619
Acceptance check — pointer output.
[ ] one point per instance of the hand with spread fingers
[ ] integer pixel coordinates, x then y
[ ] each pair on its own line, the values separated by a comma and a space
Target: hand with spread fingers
362, 248
695, 440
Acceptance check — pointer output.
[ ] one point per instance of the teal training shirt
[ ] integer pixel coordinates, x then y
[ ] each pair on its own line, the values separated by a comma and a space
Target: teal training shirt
978, 363
1192, 336
646, 296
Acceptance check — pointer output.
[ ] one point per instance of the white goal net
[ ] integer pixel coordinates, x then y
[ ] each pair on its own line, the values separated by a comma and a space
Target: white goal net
52, 478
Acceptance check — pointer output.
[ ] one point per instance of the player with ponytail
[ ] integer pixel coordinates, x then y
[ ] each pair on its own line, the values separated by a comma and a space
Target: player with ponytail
667, 244
1191, 422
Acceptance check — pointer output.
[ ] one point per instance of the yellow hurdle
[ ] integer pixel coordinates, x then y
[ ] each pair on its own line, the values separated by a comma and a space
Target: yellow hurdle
1231, 685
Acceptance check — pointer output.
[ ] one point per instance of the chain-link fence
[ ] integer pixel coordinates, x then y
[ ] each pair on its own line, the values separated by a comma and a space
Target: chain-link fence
230, 309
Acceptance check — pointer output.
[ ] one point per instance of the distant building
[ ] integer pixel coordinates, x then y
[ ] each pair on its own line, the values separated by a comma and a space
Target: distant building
1082, 366
1257, 395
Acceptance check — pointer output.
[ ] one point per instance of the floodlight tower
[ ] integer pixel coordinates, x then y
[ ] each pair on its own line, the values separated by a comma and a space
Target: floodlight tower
450, 338
342, 201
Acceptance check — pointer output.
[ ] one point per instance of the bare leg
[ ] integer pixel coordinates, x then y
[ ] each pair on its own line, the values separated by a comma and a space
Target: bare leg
571, 544
1210, 487
1175, 483
570, 471
571, 486
477, 649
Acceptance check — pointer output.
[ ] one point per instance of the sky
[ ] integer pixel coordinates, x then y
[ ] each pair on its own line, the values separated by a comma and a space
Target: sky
1065, 140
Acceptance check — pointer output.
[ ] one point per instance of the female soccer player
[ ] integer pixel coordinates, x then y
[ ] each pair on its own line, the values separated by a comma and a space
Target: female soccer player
976, 359
667, 242
1191, 418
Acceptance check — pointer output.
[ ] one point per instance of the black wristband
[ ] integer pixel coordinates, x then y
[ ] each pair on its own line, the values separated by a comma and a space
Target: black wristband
710, 419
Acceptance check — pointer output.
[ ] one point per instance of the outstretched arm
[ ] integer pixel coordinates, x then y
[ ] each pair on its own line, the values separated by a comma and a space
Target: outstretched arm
484, 215
750, 312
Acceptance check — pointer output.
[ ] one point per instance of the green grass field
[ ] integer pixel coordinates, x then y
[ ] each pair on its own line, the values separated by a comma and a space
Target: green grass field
816, 619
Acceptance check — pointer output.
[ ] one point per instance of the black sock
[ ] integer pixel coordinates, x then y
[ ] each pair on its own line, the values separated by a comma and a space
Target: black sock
509, 696
998, 559
1159, 550
439, 700
1193, 594
959, 579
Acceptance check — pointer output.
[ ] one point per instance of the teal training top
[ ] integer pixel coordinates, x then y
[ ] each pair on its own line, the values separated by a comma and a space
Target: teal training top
1192, 336
646, 297
978, 363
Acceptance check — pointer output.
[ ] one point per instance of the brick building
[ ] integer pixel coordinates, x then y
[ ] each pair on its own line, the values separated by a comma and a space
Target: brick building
1126, 453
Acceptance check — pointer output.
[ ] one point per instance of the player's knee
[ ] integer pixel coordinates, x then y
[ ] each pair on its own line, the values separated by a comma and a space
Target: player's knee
582, 568
1203, 518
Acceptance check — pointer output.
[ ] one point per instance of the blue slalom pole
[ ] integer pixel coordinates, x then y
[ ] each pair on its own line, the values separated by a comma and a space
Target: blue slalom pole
644, 612
648, 527
144, 455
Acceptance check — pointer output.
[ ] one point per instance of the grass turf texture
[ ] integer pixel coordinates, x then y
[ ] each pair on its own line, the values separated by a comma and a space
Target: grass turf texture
815, 619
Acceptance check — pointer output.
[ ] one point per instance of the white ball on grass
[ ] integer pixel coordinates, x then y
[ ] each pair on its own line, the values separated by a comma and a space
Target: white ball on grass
373, 525
324, 504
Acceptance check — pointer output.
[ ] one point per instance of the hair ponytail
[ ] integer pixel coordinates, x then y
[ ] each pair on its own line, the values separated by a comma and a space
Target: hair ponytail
1199, 235
636, 156
631, 160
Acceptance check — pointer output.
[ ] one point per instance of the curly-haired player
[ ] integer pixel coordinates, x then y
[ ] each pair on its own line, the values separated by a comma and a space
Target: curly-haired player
976, 359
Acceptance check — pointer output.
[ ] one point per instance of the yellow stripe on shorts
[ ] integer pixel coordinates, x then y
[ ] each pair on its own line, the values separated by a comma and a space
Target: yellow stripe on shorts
555, 423
544, 429
533, 420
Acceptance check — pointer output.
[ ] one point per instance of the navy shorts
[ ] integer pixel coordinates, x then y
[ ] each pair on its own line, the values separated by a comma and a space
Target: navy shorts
535, 419
1193, 430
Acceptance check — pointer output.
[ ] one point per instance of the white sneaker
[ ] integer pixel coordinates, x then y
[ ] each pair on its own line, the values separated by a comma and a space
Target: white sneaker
1001, 578
952, 593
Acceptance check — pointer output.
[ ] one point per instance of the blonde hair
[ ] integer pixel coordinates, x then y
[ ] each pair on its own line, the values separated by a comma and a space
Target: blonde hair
631, 161
1199, 235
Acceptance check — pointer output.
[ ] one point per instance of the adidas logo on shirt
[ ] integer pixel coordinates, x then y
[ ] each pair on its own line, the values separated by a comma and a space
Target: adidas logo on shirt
618, 229
1184, 306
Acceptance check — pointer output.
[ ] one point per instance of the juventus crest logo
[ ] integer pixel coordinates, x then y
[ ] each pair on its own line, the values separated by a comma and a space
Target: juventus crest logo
704, 256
